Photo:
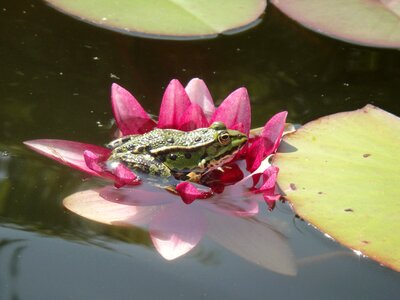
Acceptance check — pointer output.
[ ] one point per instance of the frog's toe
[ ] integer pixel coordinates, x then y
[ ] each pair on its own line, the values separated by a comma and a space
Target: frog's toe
171, 189
193, 177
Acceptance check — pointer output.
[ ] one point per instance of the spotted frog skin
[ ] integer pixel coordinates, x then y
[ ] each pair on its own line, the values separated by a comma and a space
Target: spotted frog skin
178, 154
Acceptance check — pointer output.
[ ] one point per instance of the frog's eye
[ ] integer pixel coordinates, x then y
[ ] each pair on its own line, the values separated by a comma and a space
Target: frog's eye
224, 138
218, 126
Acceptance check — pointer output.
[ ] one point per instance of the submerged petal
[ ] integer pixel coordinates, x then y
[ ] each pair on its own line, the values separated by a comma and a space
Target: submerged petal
70, 153
198, 93
268, 187
146, 195
269, 180
174, 105
131, 118
254, 239
235, 111
236, 200
91, 205
177, 229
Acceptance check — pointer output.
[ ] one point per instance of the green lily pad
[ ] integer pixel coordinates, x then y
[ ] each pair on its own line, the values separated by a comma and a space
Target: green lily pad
342, 174
181, 19
366, 22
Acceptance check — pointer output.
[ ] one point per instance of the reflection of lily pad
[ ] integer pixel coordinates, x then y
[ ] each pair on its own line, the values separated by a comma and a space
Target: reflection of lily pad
374, 23
342, 174
182, 19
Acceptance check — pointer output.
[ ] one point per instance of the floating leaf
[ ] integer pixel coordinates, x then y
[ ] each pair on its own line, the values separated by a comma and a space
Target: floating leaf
181, 19
342, 174
366, 22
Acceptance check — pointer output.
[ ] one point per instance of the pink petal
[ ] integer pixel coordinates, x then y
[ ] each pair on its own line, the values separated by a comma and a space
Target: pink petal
69, 153
269, 180
189, 192
198, 93
89, 204
267, 143
231, 174
255, 154
273, 130
219, 178
257, 173
124, 176
174, 105
271, 200
193, 118
93, 161
177, 229
235, 111
131, 118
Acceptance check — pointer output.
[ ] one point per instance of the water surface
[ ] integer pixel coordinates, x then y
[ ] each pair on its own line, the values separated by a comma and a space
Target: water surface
55, 79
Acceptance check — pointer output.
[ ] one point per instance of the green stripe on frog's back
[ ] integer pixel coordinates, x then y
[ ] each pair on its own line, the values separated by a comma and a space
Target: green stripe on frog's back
175, 140
118, 142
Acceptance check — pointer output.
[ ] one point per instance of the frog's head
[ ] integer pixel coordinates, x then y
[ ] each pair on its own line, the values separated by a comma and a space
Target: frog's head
201, 150
226, 144
226, 139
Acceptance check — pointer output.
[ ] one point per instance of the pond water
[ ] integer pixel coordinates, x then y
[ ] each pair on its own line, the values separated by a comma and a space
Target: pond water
55, 79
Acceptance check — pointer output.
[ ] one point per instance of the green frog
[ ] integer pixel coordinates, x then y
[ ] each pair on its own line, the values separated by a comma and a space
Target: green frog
176, 154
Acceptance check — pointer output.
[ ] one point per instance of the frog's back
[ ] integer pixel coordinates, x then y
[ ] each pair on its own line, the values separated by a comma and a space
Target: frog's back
162, 140
141, 143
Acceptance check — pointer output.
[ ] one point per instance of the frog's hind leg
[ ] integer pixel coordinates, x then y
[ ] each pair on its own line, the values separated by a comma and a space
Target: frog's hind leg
142, 162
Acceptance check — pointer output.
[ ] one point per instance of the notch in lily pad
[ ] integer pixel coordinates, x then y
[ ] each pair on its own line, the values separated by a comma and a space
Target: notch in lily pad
167, 19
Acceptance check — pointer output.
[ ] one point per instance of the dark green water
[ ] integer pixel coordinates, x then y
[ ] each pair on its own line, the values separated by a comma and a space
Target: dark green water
55, 79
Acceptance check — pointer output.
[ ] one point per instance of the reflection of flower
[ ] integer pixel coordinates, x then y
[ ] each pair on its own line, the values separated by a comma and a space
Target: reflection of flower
183, 109
175, 228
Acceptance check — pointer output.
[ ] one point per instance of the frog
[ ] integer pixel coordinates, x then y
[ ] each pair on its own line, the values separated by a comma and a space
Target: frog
178, 155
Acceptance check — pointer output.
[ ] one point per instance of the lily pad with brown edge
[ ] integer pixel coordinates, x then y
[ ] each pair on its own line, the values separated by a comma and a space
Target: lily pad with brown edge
342, 174
373, 23
167, 19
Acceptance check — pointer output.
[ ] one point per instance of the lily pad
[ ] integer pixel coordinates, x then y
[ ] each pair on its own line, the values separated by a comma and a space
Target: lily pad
179, 19
342, 174
365, 22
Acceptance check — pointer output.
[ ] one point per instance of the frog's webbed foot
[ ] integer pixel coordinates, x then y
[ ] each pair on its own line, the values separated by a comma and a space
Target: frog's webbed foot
193, 177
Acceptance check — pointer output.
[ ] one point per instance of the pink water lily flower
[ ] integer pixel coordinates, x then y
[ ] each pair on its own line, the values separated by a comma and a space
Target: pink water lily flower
183, 109
175, 228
